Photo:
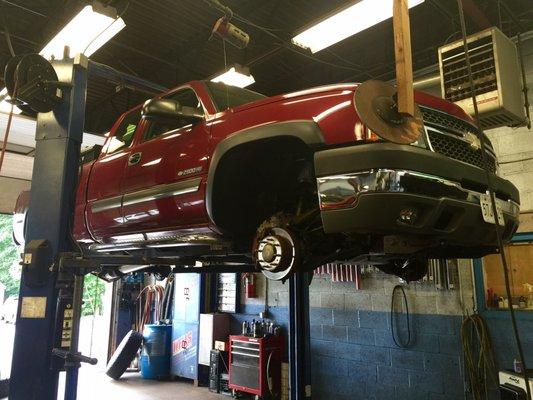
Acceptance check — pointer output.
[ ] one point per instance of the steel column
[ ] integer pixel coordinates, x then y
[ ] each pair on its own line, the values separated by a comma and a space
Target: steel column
299, 346
72, 366
34, 375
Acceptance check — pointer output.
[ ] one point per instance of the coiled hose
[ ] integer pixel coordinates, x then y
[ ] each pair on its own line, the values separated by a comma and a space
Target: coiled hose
480, 365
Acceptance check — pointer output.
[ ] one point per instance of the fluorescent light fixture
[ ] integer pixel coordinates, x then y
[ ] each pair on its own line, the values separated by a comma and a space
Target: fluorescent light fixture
346, 23
235, 76
85, 33
5, 106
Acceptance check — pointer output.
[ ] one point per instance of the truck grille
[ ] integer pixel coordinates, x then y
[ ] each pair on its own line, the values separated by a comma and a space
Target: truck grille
446, 122
459, 150
446, 135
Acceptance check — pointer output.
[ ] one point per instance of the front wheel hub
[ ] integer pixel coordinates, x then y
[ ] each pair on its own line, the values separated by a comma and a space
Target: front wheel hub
277, 254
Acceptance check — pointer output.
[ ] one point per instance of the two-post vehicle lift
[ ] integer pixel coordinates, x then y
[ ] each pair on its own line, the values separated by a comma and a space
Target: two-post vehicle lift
50, 299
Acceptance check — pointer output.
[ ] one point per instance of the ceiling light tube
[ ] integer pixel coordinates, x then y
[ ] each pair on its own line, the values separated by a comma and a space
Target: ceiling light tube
85, 33
345, 23
89, 30
235, 76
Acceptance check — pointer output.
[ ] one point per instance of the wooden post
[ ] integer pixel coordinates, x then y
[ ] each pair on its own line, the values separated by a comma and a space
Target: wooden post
404, 61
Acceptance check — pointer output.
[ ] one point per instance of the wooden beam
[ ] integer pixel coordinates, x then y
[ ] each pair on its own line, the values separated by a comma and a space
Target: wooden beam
404, 61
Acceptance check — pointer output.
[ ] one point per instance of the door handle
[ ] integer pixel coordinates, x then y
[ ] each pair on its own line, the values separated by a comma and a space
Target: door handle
134, 159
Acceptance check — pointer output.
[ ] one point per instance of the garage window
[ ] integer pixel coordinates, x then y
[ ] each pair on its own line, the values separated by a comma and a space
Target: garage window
520, 260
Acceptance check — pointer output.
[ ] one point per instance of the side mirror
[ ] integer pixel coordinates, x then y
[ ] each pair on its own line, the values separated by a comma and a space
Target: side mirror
168, 108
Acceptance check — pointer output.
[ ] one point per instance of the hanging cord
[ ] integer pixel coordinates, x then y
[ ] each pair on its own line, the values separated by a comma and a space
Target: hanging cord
269, 378
7, 34
167, 298
151, 294
9, 119
225, 69
524, 79
280, 40
224, 362
480, 365
407, 317
482, 139
108, 26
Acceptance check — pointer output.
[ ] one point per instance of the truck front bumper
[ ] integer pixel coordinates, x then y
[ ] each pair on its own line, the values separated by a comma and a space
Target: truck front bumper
390, 189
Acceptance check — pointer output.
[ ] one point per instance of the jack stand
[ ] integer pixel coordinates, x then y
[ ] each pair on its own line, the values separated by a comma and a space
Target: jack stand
299, 345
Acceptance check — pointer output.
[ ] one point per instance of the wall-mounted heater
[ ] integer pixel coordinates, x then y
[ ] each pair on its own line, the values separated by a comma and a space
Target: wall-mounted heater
496, 74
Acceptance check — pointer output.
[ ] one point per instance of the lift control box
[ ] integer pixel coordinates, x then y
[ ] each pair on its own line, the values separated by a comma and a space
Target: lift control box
36, 262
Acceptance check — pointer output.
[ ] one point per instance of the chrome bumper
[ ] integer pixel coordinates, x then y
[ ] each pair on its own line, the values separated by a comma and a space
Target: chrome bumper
343, 191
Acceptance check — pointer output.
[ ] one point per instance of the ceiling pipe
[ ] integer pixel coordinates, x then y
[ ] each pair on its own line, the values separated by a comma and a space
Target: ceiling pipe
426, 82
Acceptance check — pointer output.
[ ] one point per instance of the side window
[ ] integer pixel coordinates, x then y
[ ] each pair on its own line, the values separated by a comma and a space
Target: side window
158, 127
125, 131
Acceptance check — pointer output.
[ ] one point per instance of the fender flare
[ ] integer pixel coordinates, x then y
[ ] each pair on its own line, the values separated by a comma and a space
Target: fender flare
305, 130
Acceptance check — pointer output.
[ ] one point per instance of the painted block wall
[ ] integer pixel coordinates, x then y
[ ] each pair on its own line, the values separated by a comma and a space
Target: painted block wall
353, 354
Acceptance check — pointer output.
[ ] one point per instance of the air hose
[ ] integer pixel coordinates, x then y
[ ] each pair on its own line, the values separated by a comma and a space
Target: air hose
408, 323
490, 183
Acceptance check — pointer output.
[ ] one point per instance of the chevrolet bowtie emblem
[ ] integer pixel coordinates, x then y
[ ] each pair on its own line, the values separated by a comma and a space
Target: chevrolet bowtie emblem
474, 141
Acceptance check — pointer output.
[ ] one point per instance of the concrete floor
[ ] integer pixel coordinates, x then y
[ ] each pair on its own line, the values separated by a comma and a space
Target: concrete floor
96, 385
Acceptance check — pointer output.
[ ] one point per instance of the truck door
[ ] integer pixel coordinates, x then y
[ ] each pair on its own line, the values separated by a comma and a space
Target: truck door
164, 180
104, 191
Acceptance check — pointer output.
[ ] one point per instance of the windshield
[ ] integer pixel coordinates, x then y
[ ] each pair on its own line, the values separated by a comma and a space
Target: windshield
225, 96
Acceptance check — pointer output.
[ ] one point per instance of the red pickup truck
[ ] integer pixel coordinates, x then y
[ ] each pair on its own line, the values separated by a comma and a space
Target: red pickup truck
209, 172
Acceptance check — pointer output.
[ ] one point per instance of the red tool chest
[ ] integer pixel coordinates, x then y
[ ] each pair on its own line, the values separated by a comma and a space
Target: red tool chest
255, 364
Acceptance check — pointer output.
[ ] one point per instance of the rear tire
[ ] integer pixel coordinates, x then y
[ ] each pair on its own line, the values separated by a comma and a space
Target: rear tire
124, 354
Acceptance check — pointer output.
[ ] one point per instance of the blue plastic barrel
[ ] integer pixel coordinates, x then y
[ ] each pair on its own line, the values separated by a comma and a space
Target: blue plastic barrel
155, 355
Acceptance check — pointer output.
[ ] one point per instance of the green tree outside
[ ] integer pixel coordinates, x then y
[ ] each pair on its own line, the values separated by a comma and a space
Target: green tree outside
93, 292
9, 256
10, 271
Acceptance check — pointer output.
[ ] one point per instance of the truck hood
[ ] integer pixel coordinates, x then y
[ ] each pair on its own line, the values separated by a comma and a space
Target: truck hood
296, 95
421, 98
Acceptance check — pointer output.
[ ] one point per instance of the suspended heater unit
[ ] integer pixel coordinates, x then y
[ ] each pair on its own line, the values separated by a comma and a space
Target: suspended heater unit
496, 75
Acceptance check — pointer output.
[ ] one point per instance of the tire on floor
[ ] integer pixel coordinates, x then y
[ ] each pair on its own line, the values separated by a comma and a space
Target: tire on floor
124, 354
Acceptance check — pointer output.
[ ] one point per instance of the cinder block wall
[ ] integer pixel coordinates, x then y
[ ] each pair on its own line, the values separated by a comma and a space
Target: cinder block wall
353, 354
514, 147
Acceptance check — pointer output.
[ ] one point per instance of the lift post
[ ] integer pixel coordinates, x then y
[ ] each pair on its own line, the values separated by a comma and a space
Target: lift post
47, 325
34, 373
299, 344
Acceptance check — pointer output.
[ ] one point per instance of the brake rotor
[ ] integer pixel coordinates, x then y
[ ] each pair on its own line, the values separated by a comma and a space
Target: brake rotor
36, 83
376, 105
278, 253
